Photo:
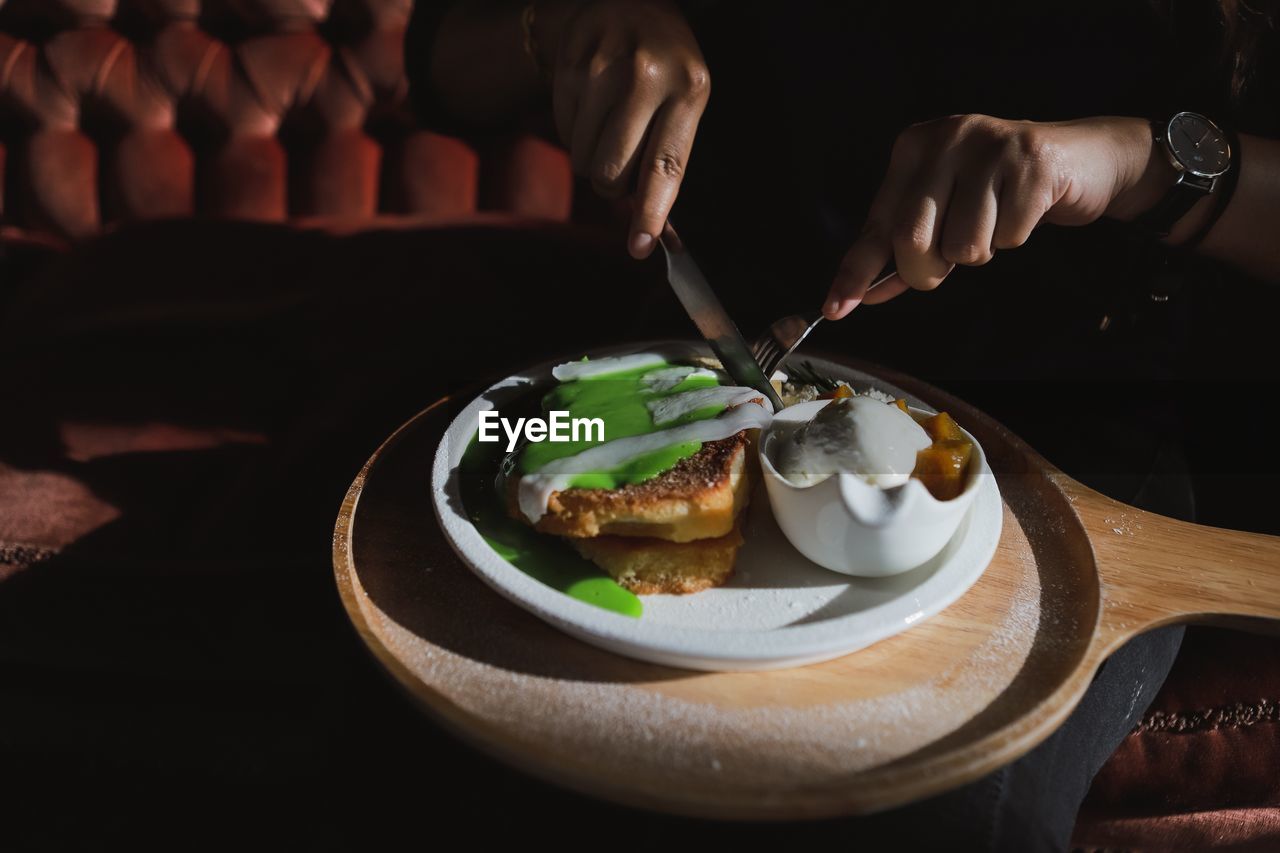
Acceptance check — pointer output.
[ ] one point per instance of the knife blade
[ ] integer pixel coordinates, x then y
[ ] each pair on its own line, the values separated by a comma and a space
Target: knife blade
715, 324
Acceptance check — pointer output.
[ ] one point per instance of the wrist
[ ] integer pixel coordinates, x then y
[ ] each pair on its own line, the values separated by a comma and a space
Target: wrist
1144, 173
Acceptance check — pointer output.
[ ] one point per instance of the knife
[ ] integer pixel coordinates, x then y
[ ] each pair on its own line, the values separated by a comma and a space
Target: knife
702, 306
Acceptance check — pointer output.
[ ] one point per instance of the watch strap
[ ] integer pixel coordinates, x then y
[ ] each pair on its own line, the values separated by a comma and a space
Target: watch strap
1180, 198
1225, 189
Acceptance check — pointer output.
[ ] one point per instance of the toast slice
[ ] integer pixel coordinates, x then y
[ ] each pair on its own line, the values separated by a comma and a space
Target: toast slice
647, 566
698, 498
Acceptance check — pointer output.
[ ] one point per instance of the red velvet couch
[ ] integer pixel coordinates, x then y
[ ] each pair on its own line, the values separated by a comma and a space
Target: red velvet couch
296, 112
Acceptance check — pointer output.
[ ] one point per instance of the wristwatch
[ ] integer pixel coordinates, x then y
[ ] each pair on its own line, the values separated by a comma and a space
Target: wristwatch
1200, 153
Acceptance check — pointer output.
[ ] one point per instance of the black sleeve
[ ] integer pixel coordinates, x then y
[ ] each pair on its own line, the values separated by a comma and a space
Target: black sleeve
419, 38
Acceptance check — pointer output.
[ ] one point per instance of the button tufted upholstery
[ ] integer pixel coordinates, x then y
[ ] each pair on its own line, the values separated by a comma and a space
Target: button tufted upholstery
270, 110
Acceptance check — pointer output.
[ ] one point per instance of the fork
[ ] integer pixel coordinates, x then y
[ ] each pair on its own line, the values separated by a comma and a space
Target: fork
775, 346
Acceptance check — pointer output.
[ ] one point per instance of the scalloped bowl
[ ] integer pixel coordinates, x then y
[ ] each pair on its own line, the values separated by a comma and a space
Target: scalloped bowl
848, 526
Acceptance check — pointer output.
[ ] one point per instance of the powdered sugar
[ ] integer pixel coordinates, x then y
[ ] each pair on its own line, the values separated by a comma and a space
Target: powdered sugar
669, 727
621, 727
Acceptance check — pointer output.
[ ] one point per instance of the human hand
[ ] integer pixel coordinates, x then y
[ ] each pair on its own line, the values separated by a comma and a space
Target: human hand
629, 86
960, 188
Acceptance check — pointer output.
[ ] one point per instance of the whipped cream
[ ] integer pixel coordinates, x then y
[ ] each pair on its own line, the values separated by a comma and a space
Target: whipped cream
868, 438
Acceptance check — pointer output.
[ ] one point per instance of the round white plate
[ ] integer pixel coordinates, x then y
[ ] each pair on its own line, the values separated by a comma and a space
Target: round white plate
777, 610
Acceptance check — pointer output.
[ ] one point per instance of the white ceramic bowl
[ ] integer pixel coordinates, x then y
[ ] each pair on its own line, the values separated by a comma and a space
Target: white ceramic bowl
848, 526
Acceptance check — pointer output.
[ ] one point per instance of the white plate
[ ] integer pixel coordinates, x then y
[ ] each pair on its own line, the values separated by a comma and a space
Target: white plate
777, 610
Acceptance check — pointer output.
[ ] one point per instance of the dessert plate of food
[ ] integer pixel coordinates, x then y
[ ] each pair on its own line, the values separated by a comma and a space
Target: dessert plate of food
676, 518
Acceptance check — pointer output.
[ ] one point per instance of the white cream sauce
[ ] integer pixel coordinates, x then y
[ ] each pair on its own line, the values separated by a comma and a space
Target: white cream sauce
662, 381
535, 489
667, 410
602, 366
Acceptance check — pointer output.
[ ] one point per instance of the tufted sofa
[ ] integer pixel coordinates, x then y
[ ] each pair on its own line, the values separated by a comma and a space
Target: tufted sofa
265, 110
296, 112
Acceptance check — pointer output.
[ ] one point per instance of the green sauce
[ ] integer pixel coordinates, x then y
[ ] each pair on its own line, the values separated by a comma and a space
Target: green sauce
619, 399
544, 558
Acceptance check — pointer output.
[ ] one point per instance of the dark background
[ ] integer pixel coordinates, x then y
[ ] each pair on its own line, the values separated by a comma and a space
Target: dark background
1113, 356
192, 710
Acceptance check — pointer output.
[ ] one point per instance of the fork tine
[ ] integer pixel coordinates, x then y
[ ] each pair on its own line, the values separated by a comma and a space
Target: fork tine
766, 369
757, 349
775, 360
761, 345
775, 357
779, 356
767, 354
773, 347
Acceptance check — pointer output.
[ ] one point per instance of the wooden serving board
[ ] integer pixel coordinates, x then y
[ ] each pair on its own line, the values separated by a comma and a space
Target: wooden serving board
1076, 575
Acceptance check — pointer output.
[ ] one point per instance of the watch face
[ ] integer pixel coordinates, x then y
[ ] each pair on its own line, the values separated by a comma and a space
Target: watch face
1199, 145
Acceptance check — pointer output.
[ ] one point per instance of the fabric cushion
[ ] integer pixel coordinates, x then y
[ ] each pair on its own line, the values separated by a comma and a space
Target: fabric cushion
256, 109
1200, 771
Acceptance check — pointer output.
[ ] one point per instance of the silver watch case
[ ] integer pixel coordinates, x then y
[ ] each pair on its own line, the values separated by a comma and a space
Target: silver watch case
1189, 172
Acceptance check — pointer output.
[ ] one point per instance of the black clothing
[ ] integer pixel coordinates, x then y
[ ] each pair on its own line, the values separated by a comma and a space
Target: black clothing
1098, 346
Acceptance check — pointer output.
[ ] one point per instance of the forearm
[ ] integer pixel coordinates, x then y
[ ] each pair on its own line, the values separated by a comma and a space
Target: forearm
1246, 233
480, 70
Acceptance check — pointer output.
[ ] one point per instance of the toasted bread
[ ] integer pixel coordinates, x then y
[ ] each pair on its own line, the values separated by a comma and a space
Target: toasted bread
698, 498
647, 566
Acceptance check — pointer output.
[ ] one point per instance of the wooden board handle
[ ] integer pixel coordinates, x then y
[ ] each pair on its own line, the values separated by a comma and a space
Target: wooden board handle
1155, 570
1152, 569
